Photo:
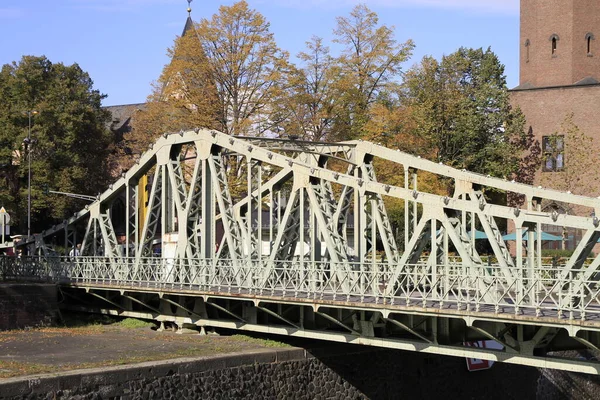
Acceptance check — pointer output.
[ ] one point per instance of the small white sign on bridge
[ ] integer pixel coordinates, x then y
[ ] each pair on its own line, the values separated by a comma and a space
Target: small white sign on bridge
477, 364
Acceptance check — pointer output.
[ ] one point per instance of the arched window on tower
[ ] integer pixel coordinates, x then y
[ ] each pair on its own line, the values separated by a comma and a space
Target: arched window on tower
588, 42
527, 45
554, 40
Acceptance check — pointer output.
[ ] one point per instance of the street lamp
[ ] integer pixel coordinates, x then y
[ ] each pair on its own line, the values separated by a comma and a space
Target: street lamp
27, 142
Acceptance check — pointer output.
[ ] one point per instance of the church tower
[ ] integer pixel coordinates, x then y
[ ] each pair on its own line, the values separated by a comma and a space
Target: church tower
558, 45
559, 95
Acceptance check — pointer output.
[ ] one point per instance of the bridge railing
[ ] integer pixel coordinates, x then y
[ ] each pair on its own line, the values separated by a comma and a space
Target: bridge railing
538, 292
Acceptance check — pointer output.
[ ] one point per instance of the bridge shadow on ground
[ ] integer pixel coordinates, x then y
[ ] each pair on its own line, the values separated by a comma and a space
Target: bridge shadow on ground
558, 385
392, 374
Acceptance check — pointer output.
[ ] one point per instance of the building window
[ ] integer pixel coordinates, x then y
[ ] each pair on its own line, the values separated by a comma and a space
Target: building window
554, 40
588, 42
527, 44
554, 153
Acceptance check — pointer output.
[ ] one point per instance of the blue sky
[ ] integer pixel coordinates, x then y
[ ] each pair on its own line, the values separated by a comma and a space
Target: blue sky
122, 43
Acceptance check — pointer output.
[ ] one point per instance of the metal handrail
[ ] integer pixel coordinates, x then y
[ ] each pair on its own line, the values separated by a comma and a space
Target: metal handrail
541, 291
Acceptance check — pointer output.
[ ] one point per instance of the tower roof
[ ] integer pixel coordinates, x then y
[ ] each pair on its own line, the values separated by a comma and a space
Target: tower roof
189, 25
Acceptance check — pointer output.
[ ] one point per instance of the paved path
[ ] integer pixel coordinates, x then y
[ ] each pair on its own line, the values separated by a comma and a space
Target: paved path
24, 352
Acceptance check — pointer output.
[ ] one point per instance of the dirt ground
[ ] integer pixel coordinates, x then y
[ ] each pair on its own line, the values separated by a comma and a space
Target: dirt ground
96, 343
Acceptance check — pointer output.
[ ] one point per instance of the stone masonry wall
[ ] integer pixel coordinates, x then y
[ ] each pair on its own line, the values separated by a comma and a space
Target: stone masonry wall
340, 372
27, 305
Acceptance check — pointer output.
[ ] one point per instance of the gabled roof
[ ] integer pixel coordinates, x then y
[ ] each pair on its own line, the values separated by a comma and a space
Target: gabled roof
121, 114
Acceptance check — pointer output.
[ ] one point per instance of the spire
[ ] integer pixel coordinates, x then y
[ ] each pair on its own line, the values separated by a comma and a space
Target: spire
189, 24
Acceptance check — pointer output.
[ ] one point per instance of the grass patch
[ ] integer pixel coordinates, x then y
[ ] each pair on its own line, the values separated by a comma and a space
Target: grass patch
95, 321
133, 323
9, 369
259, 341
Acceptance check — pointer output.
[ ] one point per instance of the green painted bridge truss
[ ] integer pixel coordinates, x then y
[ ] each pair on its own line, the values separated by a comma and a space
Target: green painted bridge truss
294, 238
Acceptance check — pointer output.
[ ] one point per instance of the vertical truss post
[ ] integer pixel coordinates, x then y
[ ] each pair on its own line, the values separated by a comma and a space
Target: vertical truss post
271, 221
315, 256
434, 252
148, 229
519, 256
373, 244
447, 267
70, 238
473, 232
249, 235
86, 246
301, 241
415, 205
360, 208
259, 230
358, 221
531, 264
207, 238
165, 205
278, 226
406, 211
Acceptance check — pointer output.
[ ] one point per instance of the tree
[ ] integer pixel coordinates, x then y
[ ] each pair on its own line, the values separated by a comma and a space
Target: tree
367, 68
461, 113
529, 165
246, 66
568, 165
569, 159
70, 140
307, 107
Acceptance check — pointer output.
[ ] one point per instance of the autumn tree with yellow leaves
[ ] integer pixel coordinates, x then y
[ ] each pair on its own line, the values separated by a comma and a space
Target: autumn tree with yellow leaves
368, 68
224, 73
246, 66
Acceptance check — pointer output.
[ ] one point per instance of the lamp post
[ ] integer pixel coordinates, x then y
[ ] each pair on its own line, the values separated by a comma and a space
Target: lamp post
28, 145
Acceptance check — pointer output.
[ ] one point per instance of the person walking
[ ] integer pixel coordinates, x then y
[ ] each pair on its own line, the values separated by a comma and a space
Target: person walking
75, 251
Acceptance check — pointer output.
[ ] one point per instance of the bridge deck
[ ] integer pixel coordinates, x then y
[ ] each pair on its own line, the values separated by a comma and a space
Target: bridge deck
544, 314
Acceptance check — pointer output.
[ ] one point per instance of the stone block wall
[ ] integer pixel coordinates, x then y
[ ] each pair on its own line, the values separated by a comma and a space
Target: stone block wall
338, 372
27, 305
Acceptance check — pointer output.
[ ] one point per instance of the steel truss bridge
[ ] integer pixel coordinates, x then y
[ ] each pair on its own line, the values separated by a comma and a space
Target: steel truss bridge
293, 238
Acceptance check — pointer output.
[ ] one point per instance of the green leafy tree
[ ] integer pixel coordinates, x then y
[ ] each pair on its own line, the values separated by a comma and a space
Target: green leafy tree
460, 113
69, 145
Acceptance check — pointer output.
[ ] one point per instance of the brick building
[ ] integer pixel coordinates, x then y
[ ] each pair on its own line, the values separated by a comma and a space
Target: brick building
559, 77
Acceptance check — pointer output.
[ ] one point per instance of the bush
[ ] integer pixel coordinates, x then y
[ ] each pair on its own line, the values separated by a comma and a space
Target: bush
557, 253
